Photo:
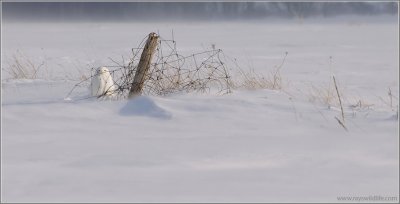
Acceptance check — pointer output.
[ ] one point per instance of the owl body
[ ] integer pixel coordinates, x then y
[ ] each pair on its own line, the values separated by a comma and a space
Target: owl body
102, 83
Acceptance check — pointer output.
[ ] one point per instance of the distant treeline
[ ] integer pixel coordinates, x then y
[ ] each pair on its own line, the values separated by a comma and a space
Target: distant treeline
127, 11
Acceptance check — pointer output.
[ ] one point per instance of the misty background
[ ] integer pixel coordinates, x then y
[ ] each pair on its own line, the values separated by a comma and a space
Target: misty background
135, 11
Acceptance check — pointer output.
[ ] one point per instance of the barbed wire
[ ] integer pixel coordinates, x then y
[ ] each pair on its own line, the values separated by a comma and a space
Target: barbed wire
170, 72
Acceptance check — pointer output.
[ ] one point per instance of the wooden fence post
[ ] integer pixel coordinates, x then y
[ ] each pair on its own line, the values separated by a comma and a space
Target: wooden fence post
144, 65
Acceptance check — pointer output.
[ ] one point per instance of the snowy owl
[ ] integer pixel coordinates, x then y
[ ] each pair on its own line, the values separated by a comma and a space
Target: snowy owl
102, 83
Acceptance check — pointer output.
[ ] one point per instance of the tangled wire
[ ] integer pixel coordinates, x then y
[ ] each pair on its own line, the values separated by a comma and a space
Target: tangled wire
171, 72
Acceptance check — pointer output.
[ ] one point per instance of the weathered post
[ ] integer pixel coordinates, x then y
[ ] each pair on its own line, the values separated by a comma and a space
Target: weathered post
144, 65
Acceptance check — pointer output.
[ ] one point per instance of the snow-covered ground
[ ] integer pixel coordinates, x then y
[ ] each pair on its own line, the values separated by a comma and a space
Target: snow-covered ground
248, 146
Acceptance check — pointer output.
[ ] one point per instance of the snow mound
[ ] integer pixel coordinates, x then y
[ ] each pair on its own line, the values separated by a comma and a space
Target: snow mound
144, 106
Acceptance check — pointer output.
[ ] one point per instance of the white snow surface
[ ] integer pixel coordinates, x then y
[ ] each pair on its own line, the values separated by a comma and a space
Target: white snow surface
248, 146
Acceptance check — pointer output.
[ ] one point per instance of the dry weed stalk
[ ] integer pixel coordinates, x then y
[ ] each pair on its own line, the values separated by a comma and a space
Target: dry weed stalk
341, 122
340, 100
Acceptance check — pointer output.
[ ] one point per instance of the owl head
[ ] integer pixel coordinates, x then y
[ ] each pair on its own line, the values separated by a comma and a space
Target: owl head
102, 70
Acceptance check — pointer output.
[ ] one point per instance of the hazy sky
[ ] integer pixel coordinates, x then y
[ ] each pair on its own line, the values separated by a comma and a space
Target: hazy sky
122, 11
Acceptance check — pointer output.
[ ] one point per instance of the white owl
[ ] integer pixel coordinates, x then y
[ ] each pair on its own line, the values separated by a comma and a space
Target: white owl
102, 83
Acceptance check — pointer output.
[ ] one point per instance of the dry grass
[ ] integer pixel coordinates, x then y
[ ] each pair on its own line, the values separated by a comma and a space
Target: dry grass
325, 94
251, 80
22, 67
